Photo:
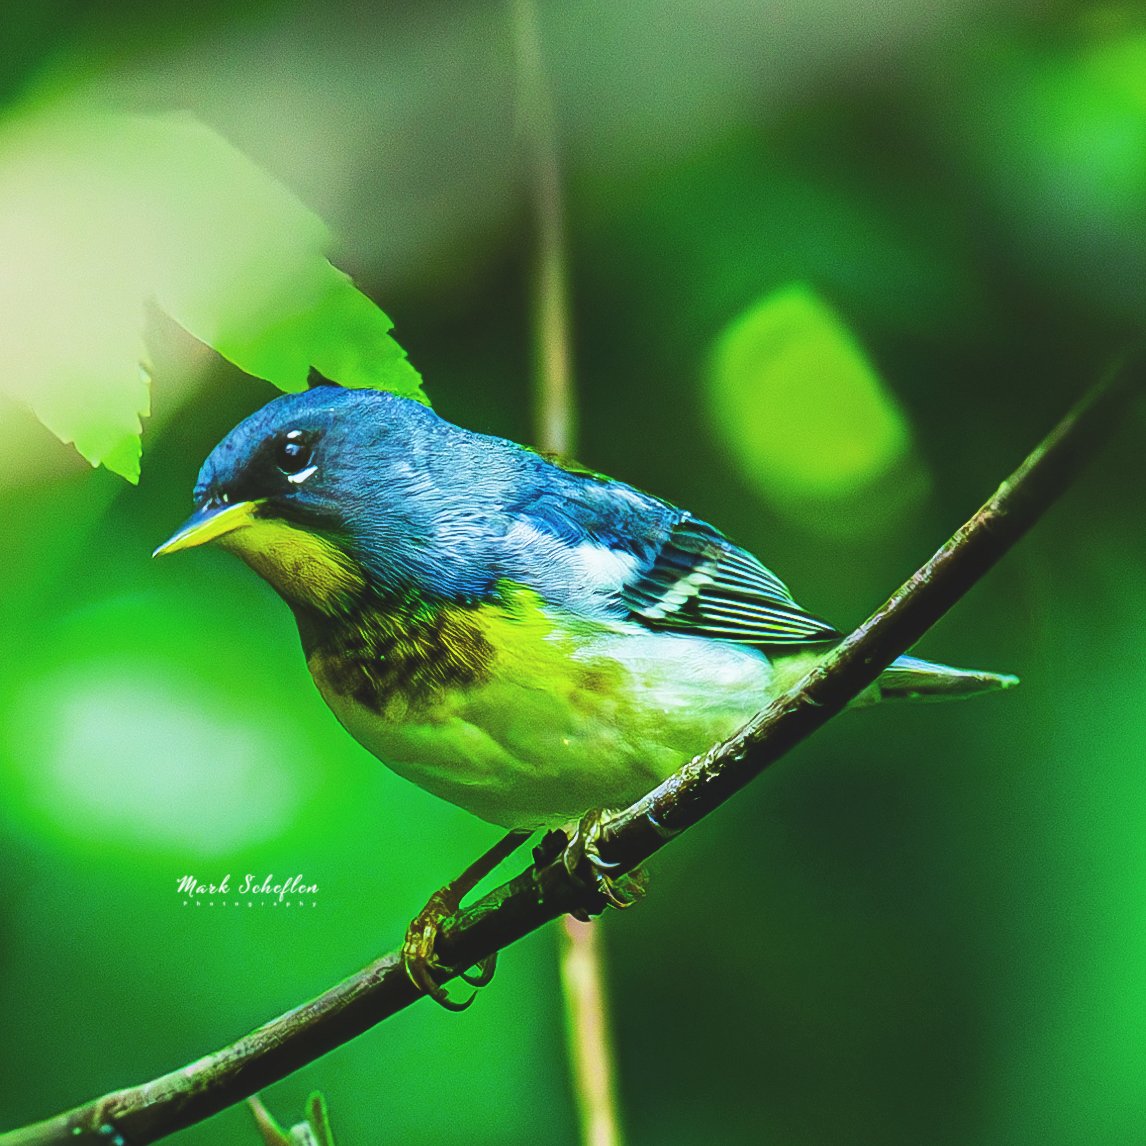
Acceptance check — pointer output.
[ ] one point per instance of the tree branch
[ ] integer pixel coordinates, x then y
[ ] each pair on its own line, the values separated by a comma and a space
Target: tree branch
546, 890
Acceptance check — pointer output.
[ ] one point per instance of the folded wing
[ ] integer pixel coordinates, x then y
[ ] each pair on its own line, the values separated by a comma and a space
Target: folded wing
700, 583
601, 547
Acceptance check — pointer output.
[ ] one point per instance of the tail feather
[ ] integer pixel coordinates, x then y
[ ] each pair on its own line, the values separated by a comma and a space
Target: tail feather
909, 678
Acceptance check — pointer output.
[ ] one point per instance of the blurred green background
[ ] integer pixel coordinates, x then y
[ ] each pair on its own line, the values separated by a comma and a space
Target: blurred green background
836, 267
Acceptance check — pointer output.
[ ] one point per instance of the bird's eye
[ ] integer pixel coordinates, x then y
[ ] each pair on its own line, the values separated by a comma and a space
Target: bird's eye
293, 452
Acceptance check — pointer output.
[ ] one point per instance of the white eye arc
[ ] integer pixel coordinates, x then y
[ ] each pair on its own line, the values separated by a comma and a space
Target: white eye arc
302, 475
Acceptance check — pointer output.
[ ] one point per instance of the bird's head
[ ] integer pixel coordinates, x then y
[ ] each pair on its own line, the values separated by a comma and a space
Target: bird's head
314, 491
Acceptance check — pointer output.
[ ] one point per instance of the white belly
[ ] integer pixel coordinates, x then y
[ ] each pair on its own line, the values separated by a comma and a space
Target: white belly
595, 728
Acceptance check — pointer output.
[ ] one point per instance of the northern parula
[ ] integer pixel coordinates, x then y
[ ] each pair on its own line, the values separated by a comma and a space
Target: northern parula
522, 637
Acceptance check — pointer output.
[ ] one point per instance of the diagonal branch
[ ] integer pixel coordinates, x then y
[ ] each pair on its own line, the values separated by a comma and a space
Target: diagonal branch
546, 890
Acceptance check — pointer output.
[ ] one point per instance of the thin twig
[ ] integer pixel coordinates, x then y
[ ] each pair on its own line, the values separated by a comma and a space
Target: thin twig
546, 890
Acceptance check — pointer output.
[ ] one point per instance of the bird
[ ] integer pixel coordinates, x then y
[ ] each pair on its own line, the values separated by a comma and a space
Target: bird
517, 634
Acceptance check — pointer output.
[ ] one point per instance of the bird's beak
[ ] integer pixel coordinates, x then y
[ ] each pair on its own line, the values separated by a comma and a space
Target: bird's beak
207, 524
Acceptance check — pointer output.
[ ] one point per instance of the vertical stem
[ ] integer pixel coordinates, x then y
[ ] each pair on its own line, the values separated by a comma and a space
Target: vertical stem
554, 400
588, 1032
555, 426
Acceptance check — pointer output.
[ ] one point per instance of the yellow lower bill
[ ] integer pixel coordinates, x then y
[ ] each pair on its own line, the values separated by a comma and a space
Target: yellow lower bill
208, 524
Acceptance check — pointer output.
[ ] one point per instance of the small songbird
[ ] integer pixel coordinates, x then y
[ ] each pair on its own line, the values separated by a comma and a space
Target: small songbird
520, 636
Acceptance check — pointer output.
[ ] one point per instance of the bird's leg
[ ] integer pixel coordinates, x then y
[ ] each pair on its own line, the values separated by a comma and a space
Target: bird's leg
583, 862
418, 946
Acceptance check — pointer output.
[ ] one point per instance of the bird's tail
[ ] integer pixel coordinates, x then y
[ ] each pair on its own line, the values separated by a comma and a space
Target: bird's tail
908, 678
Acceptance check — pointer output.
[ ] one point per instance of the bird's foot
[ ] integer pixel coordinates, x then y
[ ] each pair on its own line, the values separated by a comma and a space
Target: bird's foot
418, 952
418, 955
583, 861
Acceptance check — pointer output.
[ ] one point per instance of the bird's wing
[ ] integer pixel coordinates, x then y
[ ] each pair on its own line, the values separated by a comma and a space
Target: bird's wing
700, 583
658, 565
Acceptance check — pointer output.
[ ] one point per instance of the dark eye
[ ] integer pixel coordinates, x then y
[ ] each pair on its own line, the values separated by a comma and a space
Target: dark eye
293, 452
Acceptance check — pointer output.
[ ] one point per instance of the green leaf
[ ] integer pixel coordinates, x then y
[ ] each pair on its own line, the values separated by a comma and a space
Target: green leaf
101, 214
315, 1131
319, 1118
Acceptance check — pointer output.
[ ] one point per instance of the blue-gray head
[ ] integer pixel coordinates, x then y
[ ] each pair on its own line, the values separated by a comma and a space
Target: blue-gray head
328, 491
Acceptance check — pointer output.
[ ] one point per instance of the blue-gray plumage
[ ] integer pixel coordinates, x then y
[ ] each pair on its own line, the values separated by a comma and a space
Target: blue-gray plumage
522, 637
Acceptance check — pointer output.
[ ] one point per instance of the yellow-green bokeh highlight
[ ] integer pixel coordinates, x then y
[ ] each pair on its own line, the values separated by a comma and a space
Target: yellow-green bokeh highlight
806, 417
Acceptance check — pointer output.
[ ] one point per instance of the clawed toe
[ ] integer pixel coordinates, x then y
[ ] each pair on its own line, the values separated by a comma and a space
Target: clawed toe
584, 862
484, 976
418, 957
418, 954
